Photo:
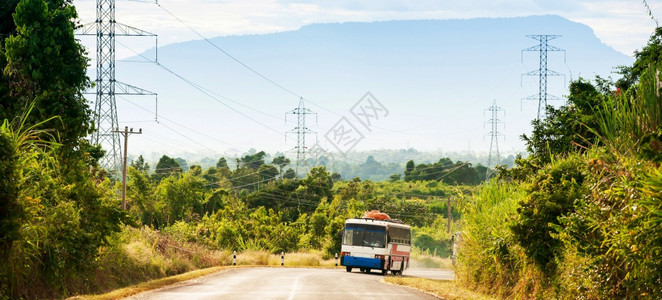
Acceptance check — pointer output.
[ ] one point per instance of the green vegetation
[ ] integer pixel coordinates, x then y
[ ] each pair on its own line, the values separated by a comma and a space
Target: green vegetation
62, 231
580, 217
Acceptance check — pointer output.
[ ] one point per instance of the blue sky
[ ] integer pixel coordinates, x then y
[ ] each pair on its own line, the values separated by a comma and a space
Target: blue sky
622, 25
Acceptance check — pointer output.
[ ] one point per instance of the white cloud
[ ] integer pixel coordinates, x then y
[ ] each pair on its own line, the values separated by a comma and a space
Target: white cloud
623, 25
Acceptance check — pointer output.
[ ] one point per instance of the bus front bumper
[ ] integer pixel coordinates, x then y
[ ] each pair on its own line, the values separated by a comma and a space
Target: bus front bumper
361, 262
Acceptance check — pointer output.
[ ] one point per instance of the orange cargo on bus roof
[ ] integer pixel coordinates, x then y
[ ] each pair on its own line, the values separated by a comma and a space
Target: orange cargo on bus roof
377, 215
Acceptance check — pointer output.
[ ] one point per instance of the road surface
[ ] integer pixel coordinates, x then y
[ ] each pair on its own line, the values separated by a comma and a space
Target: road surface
286, 283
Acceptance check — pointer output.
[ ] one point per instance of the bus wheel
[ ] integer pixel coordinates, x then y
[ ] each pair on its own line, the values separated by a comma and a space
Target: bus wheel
384, 271
399, 272
362, 270
348, 268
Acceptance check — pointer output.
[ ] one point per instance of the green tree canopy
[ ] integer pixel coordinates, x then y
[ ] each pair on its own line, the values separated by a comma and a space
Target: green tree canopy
222, 163
281, 162
290, 174
253, 161
166, 166
45, 64
140, 164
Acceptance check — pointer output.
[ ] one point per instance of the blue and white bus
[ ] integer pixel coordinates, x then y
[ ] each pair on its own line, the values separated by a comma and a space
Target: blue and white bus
371, 244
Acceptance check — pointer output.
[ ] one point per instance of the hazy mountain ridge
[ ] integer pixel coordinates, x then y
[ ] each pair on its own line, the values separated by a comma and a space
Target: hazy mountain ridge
436, 77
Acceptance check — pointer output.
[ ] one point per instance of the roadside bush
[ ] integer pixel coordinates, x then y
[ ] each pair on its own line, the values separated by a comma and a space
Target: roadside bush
489, 259
613, 238
551, 195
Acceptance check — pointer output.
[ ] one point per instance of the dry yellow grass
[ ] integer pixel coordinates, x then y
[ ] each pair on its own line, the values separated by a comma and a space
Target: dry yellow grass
244, 259
297, 259
430, 261
153, 284
445, 289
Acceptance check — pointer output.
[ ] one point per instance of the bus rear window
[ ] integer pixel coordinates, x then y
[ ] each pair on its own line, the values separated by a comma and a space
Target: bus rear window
365, 235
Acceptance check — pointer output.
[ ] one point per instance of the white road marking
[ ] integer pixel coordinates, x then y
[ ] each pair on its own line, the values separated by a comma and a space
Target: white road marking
294, 289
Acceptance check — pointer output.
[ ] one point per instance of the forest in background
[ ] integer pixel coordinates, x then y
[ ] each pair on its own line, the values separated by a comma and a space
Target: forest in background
375, 165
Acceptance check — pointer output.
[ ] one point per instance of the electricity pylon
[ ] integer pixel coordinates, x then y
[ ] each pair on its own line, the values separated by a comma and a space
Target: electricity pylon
301, 131
494, 136
105, 28
543, 47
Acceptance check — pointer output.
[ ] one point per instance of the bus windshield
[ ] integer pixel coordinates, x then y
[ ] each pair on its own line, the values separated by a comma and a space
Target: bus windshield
365, 235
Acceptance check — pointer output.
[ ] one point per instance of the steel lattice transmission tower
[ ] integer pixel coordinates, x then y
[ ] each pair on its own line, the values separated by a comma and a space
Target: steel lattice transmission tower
494, 135
105, 28
301, 131
542, 48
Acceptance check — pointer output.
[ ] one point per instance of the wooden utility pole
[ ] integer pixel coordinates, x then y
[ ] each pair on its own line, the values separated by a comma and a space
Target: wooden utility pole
449, 214
126, 134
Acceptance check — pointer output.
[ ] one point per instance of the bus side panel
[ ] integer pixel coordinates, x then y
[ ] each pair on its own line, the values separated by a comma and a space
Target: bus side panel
399, 256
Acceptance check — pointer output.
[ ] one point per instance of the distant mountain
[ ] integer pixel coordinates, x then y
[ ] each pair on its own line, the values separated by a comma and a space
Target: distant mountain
435, 77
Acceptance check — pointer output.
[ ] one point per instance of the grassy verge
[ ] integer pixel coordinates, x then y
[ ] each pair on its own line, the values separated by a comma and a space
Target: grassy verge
144, 258
153, 284
446, 289
425, 261
297, 259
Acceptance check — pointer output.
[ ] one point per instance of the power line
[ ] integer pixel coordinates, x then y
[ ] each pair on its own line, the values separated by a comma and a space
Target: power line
251, 69
228, 54
180, 125
209, 94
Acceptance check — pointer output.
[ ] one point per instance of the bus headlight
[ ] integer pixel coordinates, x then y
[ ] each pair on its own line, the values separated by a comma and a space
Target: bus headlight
344, 253
380, 256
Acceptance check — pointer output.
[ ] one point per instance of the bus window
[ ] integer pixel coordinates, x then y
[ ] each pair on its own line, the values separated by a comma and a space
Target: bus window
365, 235
399, 235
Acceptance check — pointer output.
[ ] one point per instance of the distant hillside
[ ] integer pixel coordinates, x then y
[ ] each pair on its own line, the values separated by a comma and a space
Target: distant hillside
436, 78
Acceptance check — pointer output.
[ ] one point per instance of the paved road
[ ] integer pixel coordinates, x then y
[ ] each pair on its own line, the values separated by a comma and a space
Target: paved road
286, 283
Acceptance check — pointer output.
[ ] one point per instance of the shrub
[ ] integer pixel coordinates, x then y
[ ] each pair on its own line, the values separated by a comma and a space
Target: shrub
552, 194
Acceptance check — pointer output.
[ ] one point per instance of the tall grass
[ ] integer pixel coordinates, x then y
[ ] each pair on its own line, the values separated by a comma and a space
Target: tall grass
137, 255
630, 119
489, 259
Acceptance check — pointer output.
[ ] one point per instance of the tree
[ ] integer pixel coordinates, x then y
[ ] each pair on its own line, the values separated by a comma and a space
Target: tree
335, 177
181, 197
182, 163
222, 163
165, 167
570, 127
140, 164
395, 177
408, 169
7, 28
45, 64
552, 195
281, 162
319, 183
290, 174
67, 210
7, 25
267, 172
11, 211
140, 195
252, 161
